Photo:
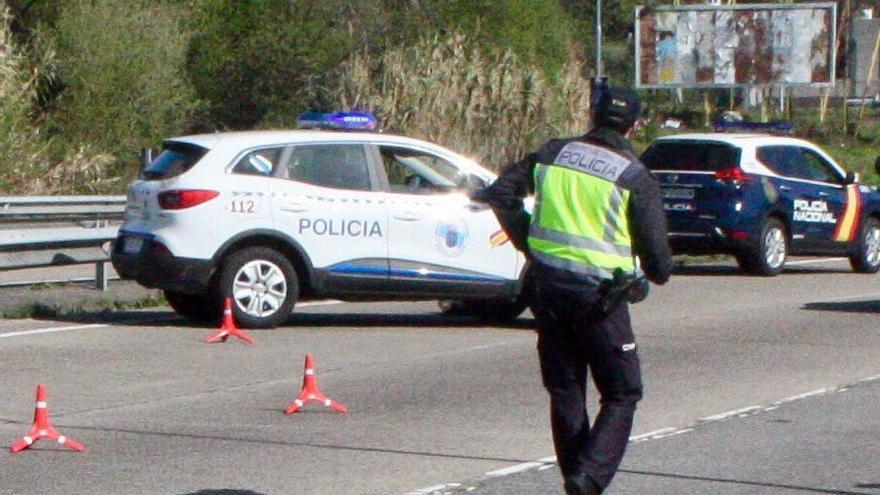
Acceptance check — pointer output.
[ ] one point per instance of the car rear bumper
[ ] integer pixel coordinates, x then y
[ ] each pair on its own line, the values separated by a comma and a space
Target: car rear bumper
711, 239
152, 265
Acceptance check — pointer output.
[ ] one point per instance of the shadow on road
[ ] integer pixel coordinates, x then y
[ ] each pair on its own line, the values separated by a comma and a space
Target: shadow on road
224, 491
160, 318
845, 307
735, 271
401, 320
285, 443
743, 482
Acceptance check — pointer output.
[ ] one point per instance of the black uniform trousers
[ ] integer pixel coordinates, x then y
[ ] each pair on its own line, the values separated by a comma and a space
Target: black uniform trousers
572, 340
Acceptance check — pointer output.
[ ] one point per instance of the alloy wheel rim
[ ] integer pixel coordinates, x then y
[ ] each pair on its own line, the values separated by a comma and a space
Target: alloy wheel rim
259, 288
872, 246
774, 242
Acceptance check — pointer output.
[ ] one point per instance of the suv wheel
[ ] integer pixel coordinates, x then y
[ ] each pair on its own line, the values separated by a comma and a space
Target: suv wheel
262, 285
866, 258
200, 308
767, 256
497, 310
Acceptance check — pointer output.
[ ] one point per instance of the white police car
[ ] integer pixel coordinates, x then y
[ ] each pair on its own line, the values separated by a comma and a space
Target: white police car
761, 198
270, 218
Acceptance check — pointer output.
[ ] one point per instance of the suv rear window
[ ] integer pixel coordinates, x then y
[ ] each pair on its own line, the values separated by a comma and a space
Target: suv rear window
175, 159
695, 156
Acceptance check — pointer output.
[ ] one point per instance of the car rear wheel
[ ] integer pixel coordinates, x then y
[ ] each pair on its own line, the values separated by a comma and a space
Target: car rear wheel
767, 257
486, 310
866, 258
263, 286
199, 308
492, 309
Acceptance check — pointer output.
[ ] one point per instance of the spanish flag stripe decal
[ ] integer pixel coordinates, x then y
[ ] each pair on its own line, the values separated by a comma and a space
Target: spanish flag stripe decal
498, 238
846, 228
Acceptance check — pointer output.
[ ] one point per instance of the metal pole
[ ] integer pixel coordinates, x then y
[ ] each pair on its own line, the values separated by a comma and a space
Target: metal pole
598, 39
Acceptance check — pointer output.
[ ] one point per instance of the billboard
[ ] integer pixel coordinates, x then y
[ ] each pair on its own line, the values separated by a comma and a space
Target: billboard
727, 46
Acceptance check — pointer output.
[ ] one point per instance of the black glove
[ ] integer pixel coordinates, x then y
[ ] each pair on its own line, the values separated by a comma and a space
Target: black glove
639, 289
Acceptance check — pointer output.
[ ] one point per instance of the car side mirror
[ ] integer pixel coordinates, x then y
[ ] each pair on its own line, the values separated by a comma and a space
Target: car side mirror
473, 181
851, 178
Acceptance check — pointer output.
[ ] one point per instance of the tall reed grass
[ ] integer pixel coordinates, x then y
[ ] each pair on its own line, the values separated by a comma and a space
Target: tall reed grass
482, 102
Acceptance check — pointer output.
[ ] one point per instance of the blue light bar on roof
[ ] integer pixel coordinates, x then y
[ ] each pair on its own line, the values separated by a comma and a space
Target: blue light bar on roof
343, 121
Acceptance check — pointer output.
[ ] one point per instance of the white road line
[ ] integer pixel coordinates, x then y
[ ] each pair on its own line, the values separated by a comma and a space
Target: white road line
434, 489
514, 469
730, 414
650, 434
804, 395
319, 303
813, 262
52, 330
846, 298
672, 433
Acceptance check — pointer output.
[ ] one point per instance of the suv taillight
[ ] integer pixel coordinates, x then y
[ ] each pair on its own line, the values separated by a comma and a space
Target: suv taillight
178, 199
735, 175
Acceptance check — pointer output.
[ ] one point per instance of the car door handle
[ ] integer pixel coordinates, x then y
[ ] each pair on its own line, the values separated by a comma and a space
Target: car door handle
407, 216
784, 188
294, 207
824, 194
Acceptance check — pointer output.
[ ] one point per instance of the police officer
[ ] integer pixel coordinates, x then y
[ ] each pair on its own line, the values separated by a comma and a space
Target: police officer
597, 209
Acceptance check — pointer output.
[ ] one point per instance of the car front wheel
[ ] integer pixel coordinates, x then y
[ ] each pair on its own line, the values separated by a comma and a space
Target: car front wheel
866, 258
263, 286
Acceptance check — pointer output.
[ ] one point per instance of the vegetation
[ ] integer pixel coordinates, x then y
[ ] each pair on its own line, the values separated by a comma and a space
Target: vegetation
44, 311
484, 102
85, 83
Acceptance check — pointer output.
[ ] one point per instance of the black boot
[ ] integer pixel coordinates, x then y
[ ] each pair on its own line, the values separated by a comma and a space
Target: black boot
580, 484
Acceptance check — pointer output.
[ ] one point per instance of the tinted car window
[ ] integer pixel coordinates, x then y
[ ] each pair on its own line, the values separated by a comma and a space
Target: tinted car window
259, 162
781, 159
691, 156
817, 168
796, 162
413, 171
175, 159
340, 166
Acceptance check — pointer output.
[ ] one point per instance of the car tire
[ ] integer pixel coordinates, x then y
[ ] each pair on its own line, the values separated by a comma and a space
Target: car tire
767, 257
866, 258
492, 309
262, 284
199, 308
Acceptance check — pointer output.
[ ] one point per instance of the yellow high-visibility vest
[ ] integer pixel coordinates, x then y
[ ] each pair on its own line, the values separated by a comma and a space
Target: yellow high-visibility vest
580, 219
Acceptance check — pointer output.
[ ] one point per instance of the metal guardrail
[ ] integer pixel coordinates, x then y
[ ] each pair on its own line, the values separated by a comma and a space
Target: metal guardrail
43, 231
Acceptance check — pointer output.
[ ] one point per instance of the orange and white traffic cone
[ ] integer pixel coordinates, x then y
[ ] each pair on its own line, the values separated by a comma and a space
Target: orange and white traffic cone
311, 392
228, 327
43, 428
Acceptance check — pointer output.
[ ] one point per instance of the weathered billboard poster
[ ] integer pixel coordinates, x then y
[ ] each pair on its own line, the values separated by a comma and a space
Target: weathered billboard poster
714, 46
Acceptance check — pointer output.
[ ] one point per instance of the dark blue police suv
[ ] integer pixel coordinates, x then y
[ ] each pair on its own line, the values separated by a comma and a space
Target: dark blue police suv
762, 198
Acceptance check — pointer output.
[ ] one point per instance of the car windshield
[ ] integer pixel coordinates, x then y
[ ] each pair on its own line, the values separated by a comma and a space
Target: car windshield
175, 159
695, 156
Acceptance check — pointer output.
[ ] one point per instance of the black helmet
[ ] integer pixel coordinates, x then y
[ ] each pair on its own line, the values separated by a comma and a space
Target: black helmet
617, 108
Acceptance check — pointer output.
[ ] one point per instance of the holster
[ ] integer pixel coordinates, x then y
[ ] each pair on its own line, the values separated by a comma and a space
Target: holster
624, 287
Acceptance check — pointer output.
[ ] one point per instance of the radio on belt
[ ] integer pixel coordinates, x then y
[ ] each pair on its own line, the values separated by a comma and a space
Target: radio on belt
339, 121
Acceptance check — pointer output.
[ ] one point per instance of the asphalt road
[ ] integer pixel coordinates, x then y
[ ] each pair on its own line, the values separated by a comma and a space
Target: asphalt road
435, 401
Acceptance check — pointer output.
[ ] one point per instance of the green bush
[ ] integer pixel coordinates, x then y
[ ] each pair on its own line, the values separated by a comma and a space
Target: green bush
122, 69
264, 61
540, 32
